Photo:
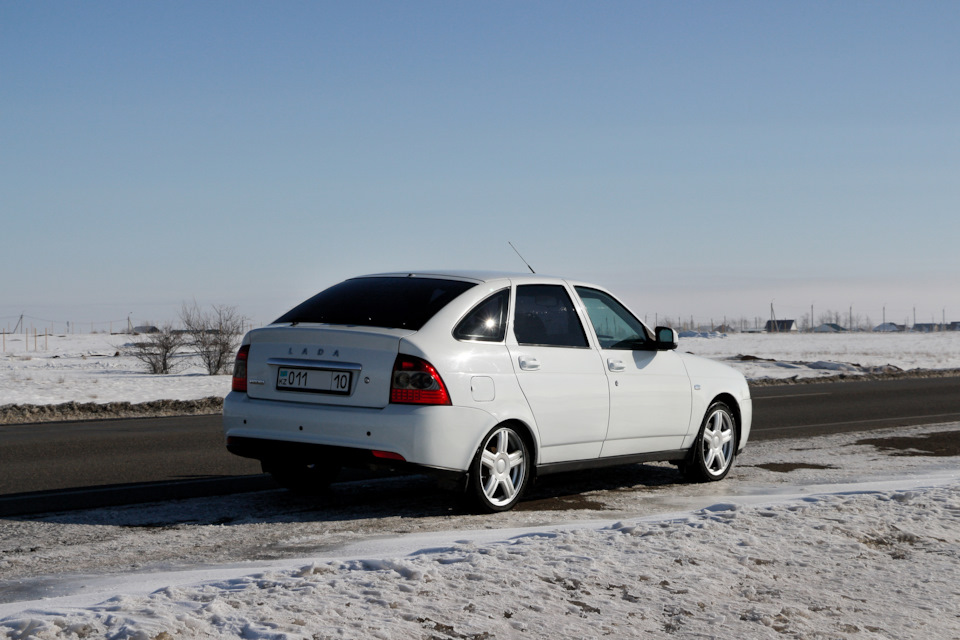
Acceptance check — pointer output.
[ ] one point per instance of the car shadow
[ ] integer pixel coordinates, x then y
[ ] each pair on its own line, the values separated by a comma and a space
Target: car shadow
574, 489
367, 498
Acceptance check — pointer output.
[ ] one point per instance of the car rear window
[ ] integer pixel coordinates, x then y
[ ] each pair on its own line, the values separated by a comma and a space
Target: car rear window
394, 303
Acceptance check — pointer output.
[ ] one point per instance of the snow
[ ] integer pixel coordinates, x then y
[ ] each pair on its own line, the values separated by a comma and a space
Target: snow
818, 355
830, 537
867, 546
93, 367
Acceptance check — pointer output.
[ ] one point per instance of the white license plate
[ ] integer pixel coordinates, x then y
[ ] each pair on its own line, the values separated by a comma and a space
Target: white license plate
314, 380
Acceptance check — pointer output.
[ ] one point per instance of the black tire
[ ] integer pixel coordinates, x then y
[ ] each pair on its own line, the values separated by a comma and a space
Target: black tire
501, 470
303, 478
712, 454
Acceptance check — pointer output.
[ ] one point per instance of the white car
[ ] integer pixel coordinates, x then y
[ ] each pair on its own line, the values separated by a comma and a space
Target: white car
487, 378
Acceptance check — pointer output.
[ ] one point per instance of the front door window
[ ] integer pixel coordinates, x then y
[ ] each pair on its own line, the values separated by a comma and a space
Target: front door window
615, 326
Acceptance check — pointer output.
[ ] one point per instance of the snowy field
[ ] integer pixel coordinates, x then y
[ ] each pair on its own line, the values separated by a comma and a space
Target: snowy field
833, 537
821, 355
92, 367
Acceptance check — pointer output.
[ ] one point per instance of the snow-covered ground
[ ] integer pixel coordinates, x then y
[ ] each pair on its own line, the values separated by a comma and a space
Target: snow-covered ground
820, 355
832, 537
93, 367
828, 538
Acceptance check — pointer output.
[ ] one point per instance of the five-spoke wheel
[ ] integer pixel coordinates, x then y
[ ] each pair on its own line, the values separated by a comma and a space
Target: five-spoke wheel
500, 471
711, 456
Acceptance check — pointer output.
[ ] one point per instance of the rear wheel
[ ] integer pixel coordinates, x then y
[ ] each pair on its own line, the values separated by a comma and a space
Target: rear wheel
500, 471
711, 455
300, 477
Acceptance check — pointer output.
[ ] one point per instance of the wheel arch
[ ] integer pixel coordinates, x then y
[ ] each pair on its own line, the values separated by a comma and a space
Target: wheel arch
734, 406
501, 489
529, 438
526, 431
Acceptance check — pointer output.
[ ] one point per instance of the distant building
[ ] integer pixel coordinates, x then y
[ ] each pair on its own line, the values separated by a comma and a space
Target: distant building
146, 329
781, 326
829, 327
889, 327
930, 327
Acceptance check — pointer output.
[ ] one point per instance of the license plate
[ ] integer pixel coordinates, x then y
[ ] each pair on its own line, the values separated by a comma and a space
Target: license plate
314, 380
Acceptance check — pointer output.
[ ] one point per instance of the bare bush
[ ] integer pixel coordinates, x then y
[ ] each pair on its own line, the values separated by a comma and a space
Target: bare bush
212, 335
157, 350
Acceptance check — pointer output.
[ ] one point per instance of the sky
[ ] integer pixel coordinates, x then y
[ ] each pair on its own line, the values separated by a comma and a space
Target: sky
702, 160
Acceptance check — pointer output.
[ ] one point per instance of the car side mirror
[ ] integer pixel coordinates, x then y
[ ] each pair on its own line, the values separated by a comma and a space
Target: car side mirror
666, 338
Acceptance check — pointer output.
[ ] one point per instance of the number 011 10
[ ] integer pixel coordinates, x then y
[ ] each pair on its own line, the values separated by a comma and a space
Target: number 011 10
314, 380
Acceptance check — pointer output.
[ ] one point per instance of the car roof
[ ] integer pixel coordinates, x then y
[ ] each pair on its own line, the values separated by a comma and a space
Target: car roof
459, 274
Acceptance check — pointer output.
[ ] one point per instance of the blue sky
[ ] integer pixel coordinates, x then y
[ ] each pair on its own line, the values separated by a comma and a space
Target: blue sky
701, 159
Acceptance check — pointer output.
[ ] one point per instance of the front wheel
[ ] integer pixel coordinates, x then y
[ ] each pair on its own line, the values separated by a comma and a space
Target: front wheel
500, 471
712, 453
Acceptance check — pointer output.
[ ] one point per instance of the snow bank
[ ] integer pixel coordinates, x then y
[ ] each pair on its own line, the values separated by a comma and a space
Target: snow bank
810, 568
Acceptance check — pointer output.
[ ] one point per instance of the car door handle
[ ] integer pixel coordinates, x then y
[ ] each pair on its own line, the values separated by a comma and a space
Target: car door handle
615, 365
529, 363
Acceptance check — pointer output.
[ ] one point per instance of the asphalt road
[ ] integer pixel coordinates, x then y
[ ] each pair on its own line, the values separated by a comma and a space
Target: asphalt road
71, 465
790, 411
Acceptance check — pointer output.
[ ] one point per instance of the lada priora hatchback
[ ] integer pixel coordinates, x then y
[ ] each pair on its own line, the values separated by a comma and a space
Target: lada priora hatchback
487, 378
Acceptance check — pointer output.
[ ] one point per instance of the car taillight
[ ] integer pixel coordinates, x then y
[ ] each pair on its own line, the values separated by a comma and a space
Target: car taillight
240, 369
415, 381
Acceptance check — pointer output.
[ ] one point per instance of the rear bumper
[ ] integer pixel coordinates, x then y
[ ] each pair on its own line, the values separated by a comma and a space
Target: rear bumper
280, 453
439, 437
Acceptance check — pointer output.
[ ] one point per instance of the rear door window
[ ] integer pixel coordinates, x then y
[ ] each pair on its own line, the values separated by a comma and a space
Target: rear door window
545, 316
390, 302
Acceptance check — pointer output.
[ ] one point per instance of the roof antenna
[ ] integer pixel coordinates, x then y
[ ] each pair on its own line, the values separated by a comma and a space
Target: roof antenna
521, 257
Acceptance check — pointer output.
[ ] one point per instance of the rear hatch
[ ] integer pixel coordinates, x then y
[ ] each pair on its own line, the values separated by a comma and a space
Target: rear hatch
322, 364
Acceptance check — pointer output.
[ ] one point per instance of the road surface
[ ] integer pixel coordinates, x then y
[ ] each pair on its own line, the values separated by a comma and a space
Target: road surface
71, 465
